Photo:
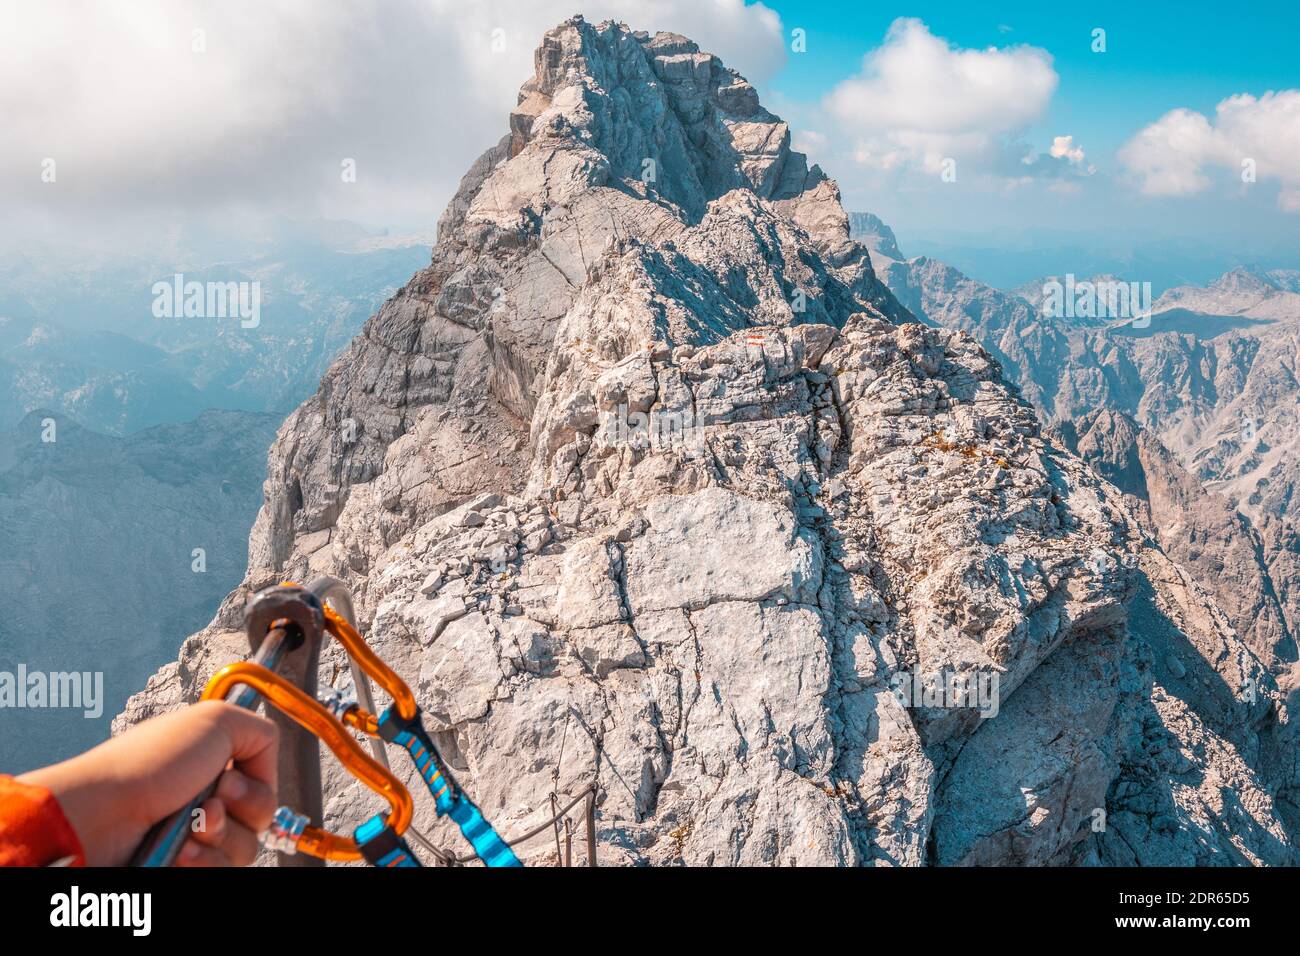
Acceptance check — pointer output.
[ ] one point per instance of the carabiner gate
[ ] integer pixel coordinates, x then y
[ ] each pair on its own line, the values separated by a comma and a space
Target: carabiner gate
380, 673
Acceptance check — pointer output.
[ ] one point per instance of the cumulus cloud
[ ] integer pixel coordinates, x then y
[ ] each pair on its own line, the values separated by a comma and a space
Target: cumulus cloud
184, 104
1174, 155
1064, 164
919, 100
1063, 148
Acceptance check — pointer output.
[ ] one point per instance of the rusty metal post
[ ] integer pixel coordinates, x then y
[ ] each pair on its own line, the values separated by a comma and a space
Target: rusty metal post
299, 755
591, 826
555, 825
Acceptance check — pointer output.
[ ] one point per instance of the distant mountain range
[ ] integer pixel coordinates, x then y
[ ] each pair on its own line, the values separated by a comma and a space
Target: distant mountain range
100, 568
85, 341
1010, 261
160, 432
1197, 416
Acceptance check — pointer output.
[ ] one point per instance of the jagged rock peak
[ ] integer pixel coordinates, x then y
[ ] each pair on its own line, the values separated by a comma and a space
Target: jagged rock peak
1244, 281
875, 234
653, 116
660, 112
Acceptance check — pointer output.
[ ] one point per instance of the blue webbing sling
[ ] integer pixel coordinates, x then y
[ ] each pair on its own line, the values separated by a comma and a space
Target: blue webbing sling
384, 848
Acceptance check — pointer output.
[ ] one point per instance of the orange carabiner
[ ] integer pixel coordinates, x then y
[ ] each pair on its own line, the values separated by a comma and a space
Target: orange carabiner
369, 662
313, 717
379, 672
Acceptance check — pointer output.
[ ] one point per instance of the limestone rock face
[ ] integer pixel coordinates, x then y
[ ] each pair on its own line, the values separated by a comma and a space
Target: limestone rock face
648, 481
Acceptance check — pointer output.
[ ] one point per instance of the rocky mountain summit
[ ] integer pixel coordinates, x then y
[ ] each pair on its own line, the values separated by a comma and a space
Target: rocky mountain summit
648, 480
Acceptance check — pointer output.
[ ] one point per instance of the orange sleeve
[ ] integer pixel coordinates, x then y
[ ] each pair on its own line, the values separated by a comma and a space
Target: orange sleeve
33, 829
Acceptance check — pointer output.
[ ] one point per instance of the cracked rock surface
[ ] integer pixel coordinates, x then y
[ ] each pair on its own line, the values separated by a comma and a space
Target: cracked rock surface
647, 481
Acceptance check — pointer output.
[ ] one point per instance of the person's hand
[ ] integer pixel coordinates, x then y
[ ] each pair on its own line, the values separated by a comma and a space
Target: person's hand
112, 794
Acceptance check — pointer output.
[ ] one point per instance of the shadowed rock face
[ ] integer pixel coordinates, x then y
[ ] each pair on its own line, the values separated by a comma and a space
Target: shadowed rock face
648, 481
1195, 527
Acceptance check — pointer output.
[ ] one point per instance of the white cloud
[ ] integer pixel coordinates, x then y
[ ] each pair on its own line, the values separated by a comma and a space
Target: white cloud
919, 100
413, 90
1063, 148
810, 142
1174, 155
1064, 164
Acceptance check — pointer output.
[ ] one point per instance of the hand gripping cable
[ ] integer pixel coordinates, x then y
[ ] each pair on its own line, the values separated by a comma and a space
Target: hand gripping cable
291, 832
287, 622
285, 626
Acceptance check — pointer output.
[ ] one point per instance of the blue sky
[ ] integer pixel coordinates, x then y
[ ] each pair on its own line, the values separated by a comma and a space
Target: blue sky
1159, 57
